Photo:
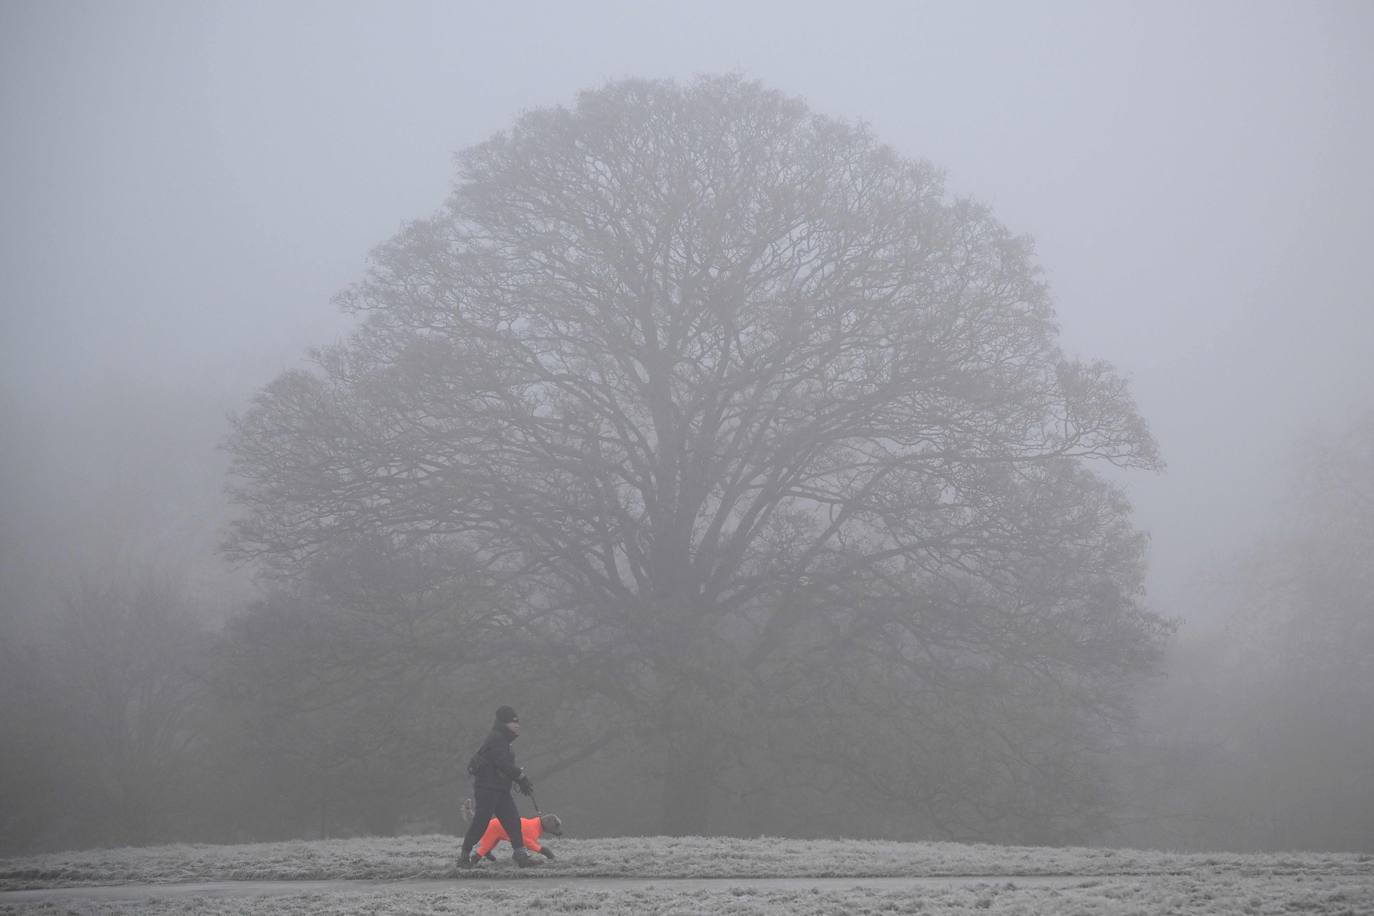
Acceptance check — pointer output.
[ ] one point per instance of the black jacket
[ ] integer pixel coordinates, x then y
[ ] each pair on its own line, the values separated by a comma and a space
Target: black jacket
496, 768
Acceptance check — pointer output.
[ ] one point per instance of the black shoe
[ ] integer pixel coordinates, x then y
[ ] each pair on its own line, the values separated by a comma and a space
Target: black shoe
523, 858
466, 861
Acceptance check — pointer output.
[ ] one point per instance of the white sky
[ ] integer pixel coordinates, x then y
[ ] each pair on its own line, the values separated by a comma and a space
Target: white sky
186, 185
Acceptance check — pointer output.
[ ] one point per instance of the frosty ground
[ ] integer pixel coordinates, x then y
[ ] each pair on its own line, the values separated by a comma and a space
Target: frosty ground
683, 875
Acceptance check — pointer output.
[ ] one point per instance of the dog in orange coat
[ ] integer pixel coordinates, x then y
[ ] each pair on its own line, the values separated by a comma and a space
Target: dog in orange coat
531, 829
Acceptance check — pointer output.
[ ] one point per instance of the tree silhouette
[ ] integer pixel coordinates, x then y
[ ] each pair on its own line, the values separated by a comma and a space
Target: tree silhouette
725, 385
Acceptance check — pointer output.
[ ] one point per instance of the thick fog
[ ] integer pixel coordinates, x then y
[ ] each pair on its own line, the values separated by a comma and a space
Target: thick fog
187, 186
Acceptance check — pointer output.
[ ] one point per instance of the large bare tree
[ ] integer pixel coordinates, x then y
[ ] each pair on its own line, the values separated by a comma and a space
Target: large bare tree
713, 378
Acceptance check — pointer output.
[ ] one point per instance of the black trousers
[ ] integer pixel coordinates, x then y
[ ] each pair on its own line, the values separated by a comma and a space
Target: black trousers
489, 802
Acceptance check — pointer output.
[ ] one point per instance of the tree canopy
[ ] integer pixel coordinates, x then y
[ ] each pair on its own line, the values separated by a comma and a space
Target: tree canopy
771, 439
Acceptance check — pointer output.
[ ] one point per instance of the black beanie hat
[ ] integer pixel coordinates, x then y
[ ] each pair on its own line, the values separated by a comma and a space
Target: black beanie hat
506, 714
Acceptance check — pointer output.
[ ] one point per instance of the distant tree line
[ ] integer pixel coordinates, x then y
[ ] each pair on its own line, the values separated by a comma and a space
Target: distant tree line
347, 703
1262, 734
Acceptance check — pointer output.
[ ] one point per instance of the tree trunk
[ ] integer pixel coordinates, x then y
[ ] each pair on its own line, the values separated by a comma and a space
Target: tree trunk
687, 785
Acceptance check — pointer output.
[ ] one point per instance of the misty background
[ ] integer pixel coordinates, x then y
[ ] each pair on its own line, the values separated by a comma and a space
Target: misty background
187, 187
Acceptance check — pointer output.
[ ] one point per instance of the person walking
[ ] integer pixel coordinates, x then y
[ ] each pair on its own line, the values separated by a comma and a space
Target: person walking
494, 771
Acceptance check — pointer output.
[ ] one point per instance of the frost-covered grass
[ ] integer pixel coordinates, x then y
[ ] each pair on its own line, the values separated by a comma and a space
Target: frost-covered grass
1122, 896
642, 857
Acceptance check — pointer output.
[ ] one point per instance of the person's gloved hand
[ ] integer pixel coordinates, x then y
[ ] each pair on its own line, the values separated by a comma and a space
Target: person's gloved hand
526, 786
547, 853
